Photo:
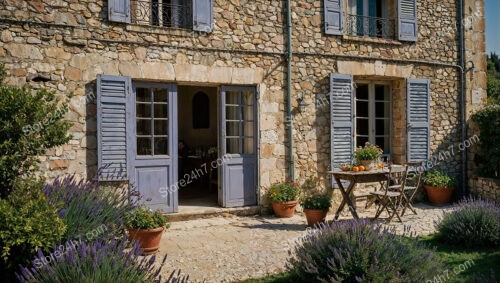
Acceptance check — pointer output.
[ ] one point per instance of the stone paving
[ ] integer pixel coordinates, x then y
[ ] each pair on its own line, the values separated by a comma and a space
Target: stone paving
229, 248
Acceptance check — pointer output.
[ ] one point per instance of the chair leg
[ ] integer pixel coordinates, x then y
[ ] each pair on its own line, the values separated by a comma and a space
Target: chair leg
381, 208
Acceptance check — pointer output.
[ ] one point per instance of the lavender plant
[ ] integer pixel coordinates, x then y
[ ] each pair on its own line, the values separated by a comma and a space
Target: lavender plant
356, 251
99, 261
86, 205
473, 223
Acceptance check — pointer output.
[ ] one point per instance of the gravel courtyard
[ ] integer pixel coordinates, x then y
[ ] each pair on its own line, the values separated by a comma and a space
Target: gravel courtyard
231, 248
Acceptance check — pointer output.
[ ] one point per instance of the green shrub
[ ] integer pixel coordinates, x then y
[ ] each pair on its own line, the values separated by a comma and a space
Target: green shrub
30, 123
474, 223
28, 223
488, 120
357, 251
322, 202
439, 179
142, 218
284, 191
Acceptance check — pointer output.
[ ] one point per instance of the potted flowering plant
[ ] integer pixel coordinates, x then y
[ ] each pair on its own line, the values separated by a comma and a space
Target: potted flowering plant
368, 155
439, 187
146, 226
315, 204
283, 197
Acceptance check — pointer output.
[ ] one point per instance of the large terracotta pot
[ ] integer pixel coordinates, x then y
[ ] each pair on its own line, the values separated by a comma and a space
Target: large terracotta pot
439, 195
149, 239
284, 209
315, 216
368, 164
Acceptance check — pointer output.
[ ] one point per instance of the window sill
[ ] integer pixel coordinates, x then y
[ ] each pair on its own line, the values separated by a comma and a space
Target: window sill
371, 39
159, 30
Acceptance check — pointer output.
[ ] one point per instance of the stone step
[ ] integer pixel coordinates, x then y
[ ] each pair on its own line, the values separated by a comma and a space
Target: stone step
210, 212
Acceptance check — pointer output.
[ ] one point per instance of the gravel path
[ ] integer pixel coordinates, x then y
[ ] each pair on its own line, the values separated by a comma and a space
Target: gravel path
232, 248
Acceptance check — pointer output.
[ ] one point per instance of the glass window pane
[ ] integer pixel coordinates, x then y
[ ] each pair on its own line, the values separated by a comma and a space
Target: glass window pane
360, 141
362, 92
232, 113
144, 146
248, 113
248, 129
161, 146
233, 145
383, 143
362, 109
232, 97
248, 145
382, 109
161, 110
143, 110
143, 95
247, 98
143, 127
382, 126
160, 95
381, 92
362, 126
233, 129
161, 127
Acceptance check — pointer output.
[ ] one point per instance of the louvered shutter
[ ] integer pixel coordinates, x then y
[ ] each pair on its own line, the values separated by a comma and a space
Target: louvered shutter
341, 119
112, 94
333, 16
119, 11
203, 15
418, 118
407, 20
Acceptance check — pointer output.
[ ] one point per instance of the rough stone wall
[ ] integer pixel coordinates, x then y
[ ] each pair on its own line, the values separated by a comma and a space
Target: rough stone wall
69, 42
486, 188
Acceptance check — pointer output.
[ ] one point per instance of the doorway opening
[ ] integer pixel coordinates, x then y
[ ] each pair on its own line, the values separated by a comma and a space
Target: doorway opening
198, 148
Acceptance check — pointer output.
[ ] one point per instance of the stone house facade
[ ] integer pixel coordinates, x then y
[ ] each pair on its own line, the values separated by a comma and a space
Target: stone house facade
136, 66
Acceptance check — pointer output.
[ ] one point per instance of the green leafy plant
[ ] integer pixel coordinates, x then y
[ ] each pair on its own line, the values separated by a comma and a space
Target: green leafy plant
30, 123
321, 202
368, 152
284, 191
143, 218
28, 222
439, 179
488, 121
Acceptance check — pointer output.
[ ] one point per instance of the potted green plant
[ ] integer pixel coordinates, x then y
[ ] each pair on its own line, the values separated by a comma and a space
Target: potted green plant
439, 187
368, 155
146, 226
316, 208
283, 197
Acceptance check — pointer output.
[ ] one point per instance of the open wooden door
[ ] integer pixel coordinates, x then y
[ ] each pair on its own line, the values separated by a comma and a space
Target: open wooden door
153, 147
238, 146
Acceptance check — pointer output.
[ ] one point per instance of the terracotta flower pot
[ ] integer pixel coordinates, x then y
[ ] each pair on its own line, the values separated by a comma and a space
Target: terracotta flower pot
439, 195
284, 209
368, 164
315, 216
149, 239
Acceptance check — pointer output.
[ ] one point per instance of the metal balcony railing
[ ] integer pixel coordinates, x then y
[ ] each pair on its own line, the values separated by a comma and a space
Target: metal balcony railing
165, 13
370, 26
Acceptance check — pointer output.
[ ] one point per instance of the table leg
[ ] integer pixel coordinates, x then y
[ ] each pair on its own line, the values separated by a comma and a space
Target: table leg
346, 199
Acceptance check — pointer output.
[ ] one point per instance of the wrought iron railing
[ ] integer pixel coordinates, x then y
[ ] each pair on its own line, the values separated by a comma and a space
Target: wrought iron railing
370, 26
166, 13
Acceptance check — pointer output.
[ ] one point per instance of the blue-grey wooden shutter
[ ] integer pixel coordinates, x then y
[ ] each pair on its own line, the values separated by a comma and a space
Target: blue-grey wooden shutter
341, 119
333, 16
203, 15
418, 118
119, 11
112, 95
407, 20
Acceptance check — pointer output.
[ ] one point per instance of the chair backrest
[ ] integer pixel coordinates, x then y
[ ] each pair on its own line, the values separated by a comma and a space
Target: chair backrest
397, 176
415, 173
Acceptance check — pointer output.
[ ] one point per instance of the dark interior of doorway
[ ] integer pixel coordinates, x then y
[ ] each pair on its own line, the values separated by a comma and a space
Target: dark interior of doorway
198, 132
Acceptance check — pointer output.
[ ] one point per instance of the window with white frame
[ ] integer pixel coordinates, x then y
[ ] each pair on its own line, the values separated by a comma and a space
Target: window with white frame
373, 115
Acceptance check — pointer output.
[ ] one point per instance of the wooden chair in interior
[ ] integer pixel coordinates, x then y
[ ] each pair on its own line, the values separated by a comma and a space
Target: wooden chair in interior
390, 197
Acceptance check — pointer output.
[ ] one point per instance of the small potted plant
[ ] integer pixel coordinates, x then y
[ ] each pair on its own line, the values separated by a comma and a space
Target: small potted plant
315, 208
439, 187
146, 226
368, 156
283, 197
